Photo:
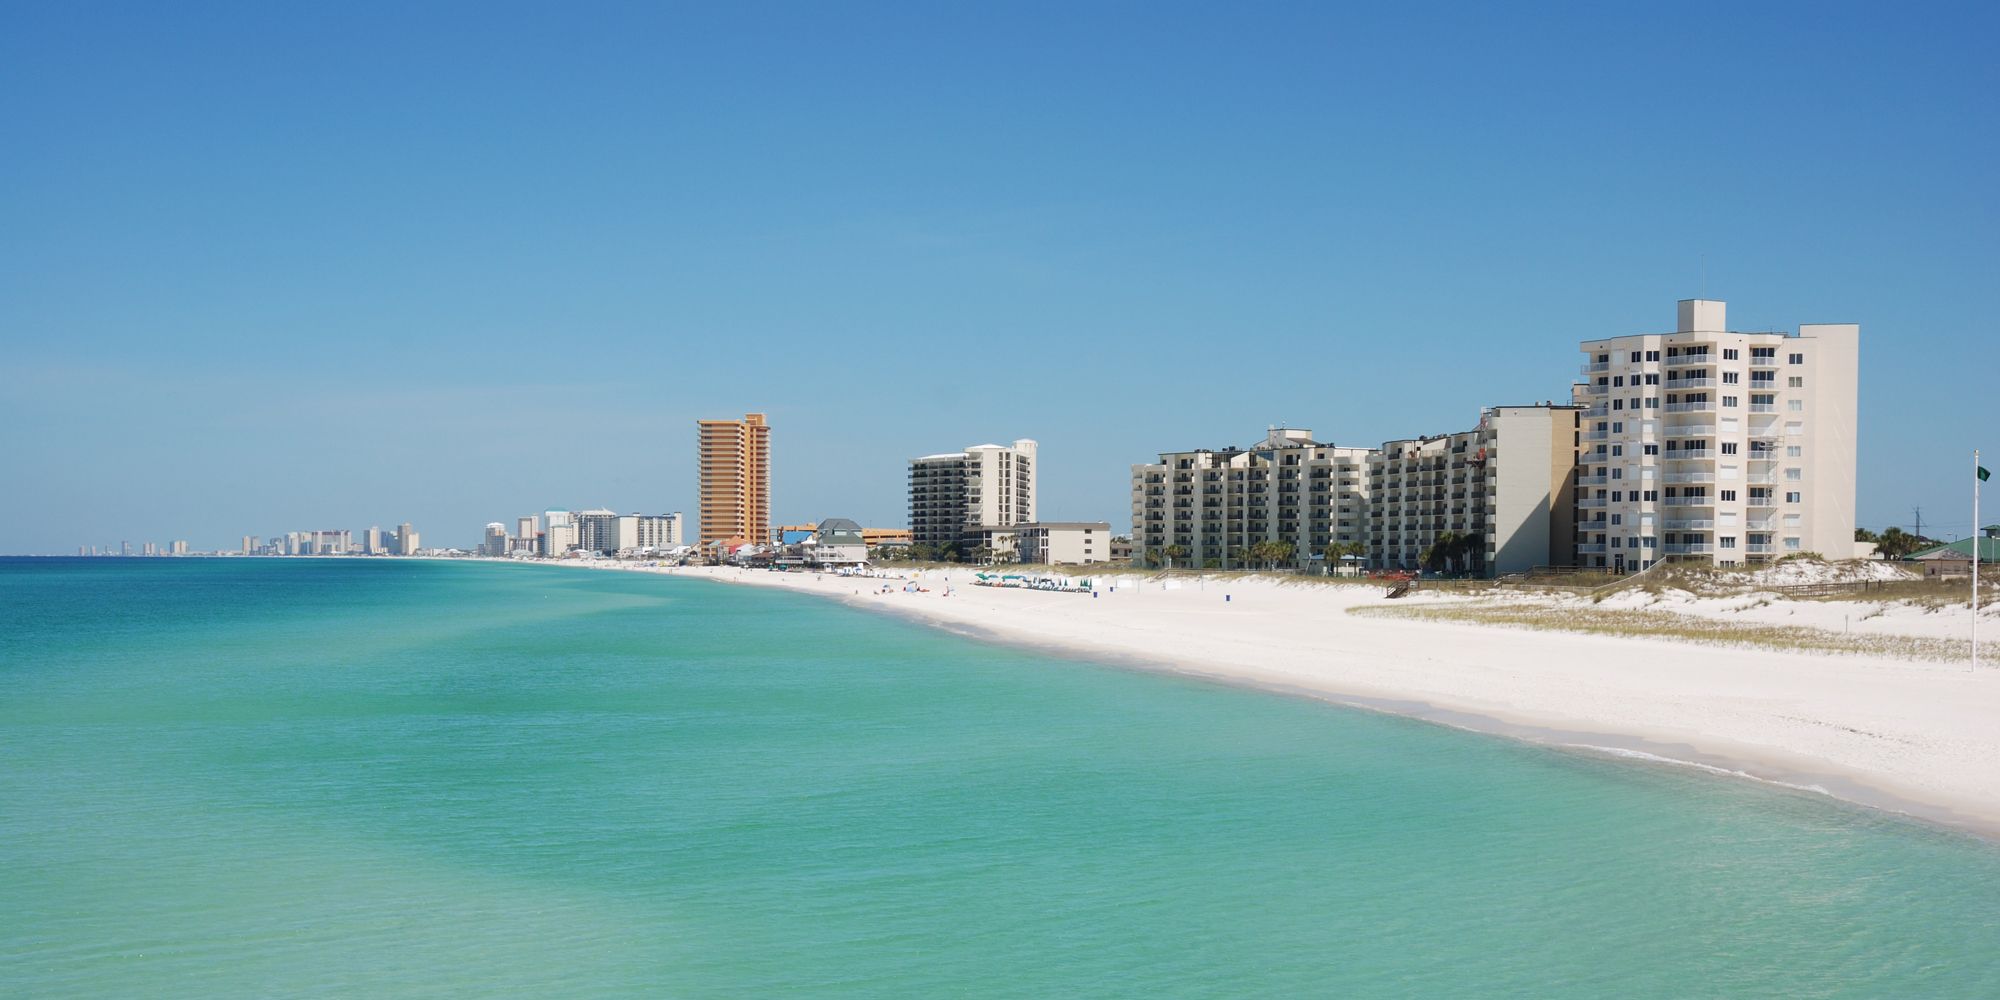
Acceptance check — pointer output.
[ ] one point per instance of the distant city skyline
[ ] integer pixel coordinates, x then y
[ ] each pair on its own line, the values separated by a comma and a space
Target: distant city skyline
262, 275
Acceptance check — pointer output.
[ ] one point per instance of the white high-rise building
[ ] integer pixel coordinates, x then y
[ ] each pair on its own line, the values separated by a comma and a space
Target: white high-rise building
560, 534
1502, 489
954, 495
407, 540
1723, 446
1207, 508
494, 544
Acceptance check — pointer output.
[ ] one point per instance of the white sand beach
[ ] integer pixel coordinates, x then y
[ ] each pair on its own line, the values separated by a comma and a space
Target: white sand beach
1915, 735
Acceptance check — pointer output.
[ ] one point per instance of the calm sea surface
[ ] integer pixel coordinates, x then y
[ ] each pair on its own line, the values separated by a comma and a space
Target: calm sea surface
252, 778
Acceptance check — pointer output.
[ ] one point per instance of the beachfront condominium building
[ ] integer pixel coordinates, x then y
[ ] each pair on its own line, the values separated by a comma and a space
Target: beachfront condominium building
954, 495
1212, 508
1501, 491
1721, 446
610, 533
494, 544
407, 540
735, 479
657, 532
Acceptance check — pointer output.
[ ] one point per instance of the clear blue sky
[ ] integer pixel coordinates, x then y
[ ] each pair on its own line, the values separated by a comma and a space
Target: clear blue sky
265, 270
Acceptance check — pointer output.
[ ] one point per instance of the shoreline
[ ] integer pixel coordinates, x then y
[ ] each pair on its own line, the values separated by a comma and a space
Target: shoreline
1910, 738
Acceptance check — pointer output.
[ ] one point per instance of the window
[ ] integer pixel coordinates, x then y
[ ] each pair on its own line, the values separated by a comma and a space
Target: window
1652, 355
1798, 359
1732, 378
1793, 451
1617, 450
1617, 427
1795, 405
1729, 354
1652, 402
1792, 543
1791, 498
1650, 541
1635, 357
1617, 519
1652, 495
1727, 541
1729, 494
1617, 473
1618, 381
1795, 382
1729, 447
1653, 379
1616, 540
1652, 449
1617, 496
1794, 475
1729, 401
1617, 404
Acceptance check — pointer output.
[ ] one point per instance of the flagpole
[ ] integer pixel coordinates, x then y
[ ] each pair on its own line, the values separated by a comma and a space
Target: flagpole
1976, 470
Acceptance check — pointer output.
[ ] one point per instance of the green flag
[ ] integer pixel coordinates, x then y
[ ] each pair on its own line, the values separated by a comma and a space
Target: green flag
1983, 474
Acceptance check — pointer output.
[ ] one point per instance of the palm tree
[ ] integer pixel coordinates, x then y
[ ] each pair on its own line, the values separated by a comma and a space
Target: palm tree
1175, 552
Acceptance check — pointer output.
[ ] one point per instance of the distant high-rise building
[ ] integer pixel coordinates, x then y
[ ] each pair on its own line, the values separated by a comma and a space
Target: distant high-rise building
180, 547
328, 542
657, 531
526, 535
371, 541
735, 478
124, 548
955, 494
495, 544
407, 542
560, 534
249, 544
150, 549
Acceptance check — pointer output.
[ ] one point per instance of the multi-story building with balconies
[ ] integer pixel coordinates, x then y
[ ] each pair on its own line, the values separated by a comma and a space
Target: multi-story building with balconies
955, 495
1503, 487
1721, 446
1210, 507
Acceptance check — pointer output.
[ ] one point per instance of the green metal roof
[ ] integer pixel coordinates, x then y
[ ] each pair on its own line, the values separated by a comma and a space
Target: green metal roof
1989, 549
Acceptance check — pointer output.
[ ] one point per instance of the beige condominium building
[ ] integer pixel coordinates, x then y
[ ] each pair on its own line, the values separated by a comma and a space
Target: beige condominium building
1211, 507
1504, 488
735, 479
955, 495
1715, 445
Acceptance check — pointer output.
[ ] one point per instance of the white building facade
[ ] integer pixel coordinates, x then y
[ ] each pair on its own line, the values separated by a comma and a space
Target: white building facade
1721, 446
1504, 487
954, 495
1210, 507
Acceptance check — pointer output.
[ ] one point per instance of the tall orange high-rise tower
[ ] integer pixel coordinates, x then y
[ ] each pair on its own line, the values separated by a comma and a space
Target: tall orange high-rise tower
735, 479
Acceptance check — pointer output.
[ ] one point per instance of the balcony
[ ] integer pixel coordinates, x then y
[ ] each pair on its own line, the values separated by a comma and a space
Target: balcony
1593, 367
1757, 501
1689, 455
1590, 548
1690, 477
1692, 430
1757, 361
1688, 361
1691, 524
1687, 501
1597, 435
1688, 548
1593, 502
1701, 407
1763, 407
1592, 480
1690, 383
1761, 549
1597, 390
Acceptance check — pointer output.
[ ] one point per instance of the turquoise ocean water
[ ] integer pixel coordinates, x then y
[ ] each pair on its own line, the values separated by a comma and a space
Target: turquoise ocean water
252, 778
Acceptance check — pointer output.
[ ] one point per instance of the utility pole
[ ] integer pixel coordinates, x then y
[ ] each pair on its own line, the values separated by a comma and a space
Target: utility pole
1919, 526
